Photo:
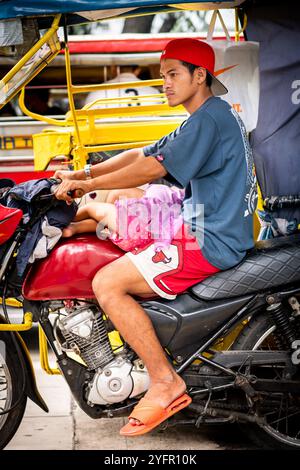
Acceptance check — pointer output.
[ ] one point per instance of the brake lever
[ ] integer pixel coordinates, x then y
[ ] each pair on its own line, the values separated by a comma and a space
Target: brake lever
45, 197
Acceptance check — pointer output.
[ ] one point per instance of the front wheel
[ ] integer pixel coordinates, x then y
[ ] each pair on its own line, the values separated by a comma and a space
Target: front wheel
282, 411
11, 389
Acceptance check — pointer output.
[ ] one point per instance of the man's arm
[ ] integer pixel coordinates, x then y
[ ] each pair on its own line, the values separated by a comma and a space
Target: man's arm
142, 170
112, 164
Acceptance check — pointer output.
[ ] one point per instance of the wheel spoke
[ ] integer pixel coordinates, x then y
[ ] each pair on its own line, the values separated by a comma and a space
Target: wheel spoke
281, 411
285, 417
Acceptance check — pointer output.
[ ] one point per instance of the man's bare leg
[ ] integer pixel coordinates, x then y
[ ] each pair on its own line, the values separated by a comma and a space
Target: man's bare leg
114, 286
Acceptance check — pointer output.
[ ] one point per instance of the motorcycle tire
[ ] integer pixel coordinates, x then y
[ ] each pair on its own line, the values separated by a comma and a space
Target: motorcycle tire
254, 335
11, 388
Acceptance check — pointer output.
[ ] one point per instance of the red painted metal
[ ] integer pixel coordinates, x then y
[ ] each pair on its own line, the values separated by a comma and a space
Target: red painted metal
21, 176
9, 220
118, 45
68, 271
130, 45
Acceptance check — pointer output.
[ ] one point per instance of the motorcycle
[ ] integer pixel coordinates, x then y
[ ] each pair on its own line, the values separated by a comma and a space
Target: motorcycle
234, 338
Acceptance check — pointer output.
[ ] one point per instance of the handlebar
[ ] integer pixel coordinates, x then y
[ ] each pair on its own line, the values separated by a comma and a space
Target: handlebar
49, 200
76, 193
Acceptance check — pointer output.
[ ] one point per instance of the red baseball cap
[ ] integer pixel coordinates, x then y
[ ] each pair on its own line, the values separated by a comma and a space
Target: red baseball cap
197, 53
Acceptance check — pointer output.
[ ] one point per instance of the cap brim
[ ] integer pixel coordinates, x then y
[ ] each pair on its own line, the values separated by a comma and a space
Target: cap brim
217, 87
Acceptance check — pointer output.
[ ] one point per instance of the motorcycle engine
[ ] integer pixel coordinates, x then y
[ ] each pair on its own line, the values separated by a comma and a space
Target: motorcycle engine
116, 377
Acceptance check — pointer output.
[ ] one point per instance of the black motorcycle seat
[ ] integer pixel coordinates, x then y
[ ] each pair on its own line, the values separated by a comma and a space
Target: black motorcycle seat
271, 264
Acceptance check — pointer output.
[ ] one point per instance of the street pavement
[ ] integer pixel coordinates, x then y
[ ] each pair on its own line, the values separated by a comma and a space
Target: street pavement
67, 427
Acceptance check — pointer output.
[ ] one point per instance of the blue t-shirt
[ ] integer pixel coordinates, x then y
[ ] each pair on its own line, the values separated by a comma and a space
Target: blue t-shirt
209, 155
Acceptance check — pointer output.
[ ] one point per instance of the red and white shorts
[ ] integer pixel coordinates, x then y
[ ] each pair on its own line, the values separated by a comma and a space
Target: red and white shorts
175, 269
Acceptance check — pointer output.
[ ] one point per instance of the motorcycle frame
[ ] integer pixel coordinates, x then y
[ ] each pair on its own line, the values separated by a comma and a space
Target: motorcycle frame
76, 374
255, 303
32, 310
28, 316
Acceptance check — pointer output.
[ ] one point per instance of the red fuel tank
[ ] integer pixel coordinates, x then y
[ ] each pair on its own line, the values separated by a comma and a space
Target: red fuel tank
68, 271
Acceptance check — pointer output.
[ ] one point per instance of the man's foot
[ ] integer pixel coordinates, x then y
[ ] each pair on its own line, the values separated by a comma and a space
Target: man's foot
164, 393
149, 413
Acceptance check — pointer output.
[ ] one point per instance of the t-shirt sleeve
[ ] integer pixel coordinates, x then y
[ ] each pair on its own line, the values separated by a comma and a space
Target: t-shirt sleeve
155, 148
184, 153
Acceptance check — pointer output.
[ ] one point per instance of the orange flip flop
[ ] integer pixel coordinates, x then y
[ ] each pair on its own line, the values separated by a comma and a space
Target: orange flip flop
150, 415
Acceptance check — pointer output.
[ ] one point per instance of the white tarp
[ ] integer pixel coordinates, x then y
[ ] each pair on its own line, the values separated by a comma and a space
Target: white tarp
102, 14
11, 32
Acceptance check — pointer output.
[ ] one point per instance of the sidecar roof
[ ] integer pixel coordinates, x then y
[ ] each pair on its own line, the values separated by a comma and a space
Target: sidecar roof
83, 11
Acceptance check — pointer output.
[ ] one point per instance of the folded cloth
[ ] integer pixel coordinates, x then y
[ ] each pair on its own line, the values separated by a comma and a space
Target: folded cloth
49, 238
272, 227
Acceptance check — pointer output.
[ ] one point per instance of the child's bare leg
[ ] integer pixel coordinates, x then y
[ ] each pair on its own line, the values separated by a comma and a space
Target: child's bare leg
100, 211
83, 213
93, 212
84, 226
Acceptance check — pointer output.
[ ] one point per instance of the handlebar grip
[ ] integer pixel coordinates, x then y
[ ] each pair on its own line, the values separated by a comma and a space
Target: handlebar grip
76, 193
56, 182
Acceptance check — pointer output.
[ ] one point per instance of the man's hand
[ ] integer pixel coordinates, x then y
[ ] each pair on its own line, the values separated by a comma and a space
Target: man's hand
70, 189
65, 175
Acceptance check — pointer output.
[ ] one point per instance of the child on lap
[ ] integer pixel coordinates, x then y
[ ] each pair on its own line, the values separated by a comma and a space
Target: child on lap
134, 222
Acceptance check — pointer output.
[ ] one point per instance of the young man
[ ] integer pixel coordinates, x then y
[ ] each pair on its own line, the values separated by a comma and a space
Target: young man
210, 157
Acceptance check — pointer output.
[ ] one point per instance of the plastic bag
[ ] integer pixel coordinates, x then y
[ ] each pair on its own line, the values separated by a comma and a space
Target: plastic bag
237, 68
